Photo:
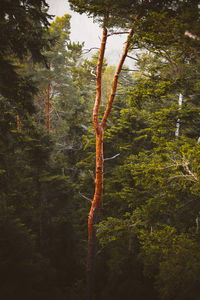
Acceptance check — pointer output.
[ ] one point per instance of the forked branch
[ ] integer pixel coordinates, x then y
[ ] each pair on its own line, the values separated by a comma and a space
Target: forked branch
99, 130
116, 76
98, 81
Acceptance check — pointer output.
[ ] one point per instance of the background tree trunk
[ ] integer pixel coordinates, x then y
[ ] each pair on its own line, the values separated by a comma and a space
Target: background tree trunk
48, 108
18, 123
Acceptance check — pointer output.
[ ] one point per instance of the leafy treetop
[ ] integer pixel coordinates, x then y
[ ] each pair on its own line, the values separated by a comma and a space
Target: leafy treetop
121, 13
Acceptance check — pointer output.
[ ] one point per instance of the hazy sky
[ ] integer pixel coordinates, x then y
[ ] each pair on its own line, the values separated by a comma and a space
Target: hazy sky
84, 30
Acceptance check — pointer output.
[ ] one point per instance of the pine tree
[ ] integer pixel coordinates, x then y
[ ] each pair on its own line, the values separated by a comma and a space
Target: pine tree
147, 36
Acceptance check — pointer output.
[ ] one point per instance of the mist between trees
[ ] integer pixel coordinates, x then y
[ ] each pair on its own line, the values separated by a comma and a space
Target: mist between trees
99, 165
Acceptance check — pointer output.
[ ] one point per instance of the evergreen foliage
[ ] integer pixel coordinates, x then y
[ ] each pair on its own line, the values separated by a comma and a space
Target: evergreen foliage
150, 220
23, 26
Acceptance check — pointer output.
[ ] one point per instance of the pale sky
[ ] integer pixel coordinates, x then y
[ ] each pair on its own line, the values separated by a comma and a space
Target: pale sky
84, 30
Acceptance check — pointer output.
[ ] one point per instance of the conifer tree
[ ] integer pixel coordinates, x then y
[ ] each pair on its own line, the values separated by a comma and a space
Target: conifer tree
107, 13
104, 11
23, 27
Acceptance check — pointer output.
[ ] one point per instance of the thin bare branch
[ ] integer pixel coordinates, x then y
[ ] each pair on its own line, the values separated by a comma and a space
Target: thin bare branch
190, 172
188, 177
116, 33
131, 70
131, 57
90, 200
185, 164
109, 158
192, 36
85, 51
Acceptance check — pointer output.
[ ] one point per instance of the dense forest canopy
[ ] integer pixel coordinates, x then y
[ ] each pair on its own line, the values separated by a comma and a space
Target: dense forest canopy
148, 229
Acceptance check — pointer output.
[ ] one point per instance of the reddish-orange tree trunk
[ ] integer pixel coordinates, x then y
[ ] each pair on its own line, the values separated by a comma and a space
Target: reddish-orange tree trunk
48, 108
96, 203
99, 130
48, 101
18, 123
